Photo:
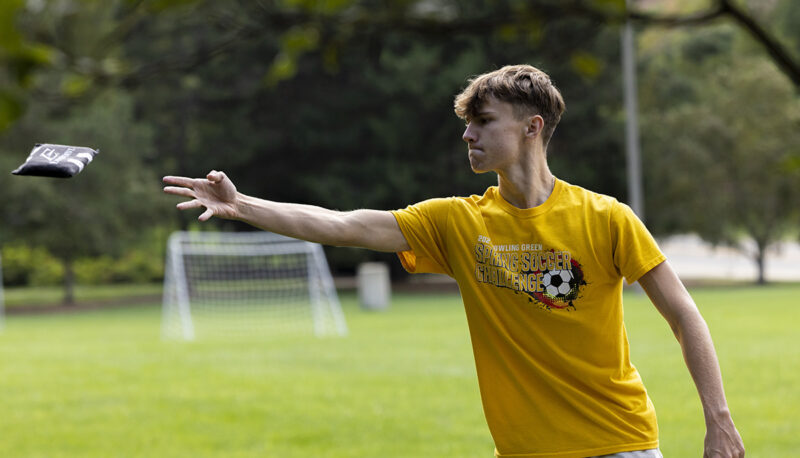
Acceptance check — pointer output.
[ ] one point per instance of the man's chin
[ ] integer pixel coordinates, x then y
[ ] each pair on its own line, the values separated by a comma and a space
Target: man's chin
476, 168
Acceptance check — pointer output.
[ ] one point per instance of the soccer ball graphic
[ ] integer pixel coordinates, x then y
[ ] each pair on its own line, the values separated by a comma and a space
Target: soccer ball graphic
558, 283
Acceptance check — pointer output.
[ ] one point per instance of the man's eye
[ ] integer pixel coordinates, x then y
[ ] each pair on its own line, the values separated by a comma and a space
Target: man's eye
476, 121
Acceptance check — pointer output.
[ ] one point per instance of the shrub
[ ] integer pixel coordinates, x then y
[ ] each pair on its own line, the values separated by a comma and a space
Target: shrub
94, 271
136, 266
35, 266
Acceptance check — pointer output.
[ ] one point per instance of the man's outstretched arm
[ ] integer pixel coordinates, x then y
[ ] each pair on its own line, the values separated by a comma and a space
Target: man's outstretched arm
676, 305
373, 229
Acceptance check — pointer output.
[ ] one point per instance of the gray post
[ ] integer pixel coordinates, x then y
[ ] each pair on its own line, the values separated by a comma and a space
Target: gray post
374, 288
633, 154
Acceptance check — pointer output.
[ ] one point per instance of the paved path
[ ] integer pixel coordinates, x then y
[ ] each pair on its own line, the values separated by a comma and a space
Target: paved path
694, 259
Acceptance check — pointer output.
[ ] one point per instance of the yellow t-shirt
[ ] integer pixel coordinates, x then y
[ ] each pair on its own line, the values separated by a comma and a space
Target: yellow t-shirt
542, 290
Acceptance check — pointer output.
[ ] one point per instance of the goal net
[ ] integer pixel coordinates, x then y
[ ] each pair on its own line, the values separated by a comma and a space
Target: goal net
227, 283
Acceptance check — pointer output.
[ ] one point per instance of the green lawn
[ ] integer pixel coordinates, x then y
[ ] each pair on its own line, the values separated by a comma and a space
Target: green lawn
755, 333
54, 295
102, 383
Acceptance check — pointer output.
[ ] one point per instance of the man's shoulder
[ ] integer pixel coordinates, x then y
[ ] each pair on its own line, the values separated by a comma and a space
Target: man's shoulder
472, 201
578, 196
445, 203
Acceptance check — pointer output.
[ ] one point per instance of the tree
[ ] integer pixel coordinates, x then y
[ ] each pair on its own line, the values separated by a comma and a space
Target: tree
720, 133
301, 26
369, 123
363, 120
742, 14
326, 92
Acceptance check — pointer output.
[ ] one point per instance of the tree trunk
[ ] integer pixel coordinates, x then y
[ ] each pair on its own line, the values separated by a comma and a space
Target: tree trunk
69, 283
761, 249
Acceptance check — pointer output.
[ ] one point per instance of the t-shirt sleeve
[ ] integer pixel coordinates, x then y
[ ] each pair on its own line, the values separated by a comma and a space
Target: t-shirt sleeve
424, 226
635, 249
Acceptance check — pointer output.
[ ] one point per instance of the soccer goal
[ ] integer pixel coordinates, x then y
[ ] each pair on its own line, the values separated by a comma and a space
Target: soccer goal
227, 283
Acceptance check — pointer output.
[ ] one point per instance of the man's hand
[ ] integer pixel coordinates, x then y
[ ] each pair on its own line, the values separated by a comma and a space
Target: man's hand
216, 193
723, 441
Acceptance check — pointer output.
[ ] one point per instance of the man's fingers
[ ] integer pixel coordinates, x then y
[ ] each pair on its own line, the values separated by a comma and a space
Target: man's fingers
179, 191
215, 176
178, 181
185, 187
190, 204
206, 215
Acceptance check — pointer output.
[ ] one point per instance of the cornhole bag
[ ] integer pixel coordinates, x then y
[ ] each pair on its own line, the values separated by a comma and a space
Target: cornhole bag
59, 161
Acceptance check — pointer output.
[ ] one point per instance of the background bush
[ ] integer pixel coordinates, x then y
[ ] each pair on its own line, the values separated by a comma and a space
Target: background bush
23, 265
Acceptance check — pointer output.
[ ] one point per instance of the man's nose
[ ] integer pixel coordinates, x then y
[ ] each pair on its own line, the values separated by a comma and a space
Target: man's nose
469, 134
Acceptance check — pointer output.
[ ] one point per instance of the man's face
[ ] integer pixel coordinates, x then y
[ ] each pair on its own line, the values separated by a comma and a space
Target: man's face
495, 137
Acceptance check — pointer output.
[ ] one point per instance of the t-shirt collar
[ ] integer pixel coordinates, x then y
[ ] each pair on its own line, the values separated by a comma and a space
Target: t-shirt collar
494, 193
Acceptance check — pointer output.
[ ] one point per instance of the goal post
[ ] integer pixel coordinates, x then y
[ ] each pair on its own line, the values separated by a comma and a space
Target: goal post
232, 283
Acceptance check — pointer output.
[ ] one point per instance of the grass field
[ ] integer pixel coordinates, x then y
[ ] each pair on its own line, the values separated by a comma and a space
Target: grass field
51, 296
102, 383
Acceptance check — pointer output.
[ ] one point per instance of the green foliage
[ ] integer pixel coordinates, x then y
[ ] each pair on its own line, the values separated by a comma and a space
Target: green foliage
9, 35
613, 6
356, 110
101, 211
141, 262
340, 103
294, 43
709, 44
320, 6
366, 118
63, 49
723, 151
157, 6
786, 16
135, 267
23, 265
11, 108
586, 64
94, 271
96, 211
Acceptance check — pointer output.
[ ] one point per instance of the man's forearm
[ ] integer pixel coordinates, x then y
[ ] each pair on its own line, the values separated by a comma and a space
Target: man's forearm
306, 222
694, 337
676, 305
372, 229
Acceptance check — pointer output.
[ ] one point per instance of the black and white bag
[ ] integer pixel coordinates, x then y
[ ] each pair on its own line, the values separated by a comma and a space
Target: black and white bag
59, 161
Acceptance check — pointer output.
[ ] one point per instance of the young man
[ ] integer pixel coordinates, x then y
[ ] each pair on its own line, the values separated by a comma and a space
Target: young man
540, 265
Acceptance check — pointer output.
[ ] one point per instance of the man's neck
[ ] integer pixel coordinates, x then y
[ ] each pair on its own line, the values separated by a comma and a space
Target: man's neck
528, 185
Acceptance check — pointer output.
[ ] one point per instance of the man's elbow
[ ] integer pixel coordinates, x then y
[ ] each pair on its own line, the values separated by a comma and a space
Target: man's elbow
687, 322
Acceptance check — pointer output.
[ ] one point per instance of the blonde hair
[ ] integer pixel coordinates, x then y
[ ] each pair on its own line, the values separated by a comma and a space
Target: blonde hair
528, 89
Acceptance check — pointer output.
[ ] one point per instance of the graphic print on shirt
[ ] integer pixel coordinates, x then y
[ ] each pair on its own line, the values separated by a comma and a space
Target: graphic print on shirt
551, 278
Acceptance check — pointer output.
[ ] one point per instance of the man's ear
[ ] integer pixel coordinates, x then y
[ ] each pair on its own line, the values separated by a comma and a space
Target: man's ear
535, 126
